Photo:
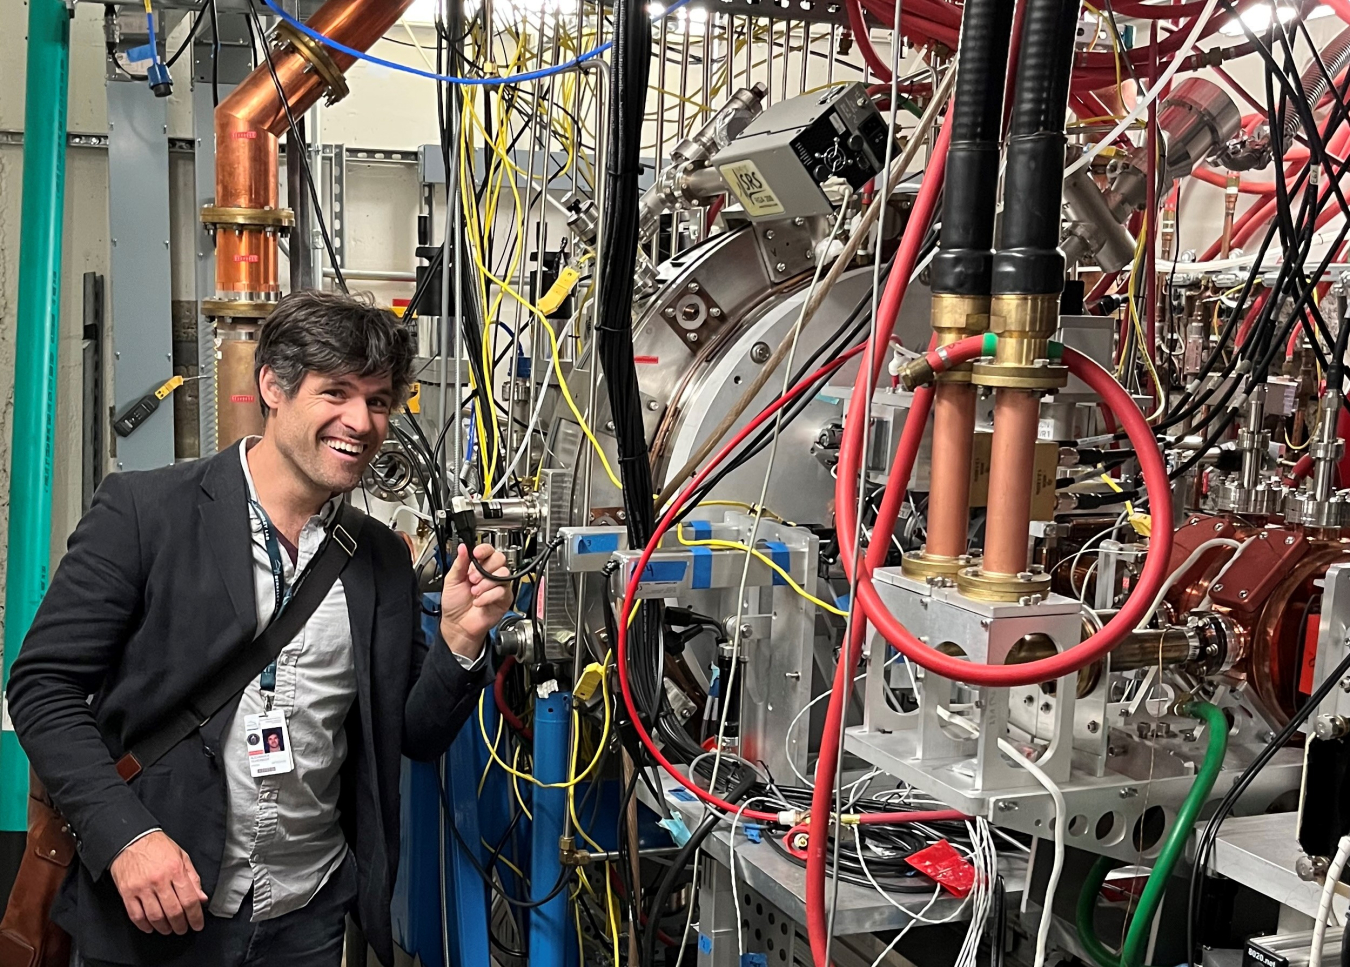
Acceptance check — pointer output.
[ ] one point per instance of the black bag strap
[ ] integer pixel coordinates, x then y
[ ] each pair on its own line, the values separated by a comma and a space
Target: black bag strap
311, 588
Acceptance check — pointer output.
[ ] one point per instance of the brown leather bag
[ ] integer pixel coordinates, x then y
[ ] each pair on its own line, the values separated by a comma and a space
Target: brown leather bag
28, 938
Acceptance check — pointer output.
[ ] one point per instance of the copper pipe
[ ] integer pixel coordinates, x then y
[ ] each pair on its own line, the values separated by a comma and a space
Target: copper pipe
949, 500
1011, 462
1150, 647
247, 126
237, 412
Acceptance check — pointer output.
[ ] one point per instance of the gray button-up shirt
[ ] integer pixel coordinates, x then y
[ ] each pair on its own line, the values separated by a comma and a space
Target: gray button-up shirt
282, 837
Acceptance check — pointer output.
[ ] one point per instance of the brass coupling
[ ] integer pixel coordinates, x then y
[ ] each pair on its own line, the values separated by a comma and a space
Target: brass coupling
1024, 325
923, 566
975, 582
279, 220
317, 57
226, 309
957, 317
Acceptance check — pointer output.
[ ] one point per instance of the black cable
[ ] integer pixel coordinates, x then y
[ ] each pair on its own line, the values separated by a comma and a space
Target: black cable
192, 31
677, 865
215, 55
564, 874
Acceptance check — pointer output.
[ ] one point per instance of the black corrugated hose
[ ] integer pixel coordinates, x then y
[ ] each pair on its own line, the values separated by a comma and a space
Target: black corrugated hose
964, 263
1027, 259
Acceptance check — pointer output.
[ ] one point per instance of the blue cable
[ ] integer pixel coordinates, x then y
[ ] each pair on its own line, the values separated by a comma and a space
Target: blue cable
446, 78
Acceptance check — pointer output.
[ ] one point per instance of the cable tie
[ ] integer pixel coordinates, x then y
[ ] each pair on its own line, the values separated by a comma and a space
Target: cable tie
1244, 366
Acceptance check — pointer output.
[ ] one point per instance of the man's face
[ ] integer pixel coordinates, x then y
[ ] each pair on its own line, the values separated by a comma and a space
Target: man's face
274, 742
332, 428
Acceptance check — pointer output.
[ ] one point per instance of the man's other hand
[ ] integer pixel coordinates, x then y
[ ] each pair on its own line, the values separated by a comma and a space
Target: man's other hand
159, 886
471, 604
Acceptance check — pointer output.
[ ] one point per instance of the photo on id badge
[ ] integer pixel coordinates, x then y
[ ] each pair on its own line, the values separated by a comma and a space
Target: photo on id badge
269, 745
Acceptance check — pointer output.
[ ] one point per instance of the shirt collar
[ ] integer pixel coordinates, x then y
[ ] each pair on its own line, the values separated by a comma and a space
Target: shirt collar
325, 513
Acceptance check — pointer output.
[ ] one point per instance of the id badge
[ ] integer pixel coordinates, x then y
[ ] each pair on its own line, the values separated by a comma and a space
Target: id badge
268, 744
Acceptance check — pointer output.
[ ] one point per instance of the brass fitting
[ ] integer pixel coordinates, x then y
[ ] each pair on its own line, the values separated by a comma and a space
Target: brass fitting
921, 565
956, 317
975, 582
1024, 325
915, 373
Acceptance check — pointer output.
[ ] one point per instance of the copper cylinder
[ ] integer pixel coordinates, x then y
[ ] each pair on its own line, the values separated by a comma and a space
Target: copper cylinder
1011, 463
246, 260
949, 494
237, 411
1150, 647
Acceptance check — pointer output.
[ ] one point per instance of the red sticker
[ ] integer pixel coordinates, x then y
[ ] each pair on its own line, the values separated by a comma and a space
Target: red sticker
943, 864
646, 360
242, 398
246, 258
246, 135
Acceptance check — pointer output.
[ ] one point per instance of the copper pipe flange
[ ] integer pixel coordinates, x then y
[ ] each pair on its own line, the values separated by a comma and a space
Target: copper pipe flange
314, 52
975, 582
278, 219
237, 308
921, 565
1040, 375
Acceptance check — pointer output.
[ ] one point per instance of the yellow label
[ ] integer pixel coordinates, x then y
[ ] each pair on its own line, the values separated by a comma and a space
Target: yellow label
415, 398
558, 291
746, 182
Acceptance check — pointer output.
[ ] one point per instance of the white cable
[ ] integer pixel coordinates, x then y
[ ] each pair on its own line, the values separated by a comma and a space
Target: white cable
1177, 59
533, 422
1043, 931
915, 918
792, 726
1186, 565
731, 862
1333, 877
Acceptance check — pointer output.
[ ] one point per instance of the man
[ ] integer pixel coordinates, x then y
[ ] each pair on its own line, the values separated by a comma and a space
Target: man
200, 860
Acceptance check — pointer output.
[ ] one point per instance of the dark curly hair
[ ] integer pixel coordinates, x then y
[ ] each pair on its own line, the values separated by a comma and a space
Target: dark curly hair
335, 335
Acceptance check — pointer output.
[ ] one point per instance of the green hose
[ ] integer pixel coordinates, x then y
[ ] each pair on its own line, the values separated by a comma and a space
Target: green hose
1136, 937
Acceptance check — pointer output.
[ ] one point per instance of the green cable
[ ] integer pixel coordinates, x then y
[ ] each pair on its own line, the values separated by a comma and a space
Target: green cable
1136, 937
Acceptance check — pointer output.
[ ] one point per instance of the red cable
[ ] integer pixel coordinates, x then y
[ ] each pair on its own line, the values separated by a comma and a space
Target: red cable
621, 644
499, 696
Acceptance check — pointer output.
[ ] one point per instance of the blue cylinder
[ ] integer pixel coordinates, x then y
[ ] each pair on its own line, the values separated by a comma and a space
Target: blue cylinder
548, 922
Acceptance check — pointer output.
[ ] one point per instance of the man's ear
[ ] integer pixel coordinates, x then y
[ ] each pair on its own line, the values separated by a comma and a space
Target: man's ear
269, 389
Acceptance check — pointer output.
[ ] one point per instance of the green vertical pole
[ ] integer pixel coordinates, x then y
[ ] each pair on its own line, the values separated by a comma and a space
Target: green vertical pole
39, 326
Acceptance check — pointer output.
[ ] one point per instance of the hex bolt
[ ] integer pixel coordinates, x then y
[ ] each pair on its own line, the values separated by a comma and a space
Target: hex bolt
1289, 539
1006, 805
1217, 587
769, 234
1310, 867
1129, 792
1242, 594
694, 287
652, 405
781, 267
1218, 527
799, 221
760, 352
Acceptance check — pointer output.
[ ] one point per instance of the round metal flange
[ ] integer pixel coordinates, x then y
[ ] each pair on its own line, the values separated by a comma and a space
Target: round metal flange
280, 219
1301, 507
974, 582
314, 52
922, 565
237, 308
1044, 377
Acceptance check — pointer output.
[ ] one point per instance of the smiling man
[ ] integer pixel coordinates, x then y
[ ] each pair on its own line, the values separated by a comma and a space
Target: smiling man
248, 841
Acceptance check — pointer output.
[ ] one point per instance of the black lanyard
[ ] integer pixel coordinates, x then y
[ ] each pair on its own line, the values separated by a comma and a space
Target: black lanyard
267, 681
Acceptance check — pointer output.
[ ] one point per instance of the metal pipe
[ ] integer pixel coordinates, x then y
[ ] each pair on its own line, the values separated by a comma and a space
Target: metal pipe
1150, 647
247, 216
38, 330
548, 922
1011, 461
954, 424
372, 275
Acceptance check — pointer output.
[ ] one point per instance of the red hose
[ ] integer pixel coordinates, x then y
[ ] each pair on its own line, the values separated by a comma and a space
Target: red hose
630, 591
499, 696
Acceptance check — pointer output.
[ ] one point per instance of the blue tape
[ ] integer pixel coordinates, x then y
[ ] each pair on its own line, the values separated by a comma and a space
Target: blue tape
705, 945
597, 543
702, 577
142, 53
755, 960
675, 826
663, 572
683, 795
700, 529
778, 553
752, 832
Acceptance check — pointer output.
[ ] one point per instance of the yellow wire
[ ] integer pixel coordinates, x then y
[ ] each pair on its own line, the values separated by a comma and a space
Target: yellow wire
595, 760
487, 766
514, 759
768, 561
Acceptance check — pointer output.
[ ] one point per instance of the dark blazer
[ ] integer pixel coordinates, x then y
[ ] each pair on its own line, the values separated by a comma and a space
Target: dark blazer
154, 596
